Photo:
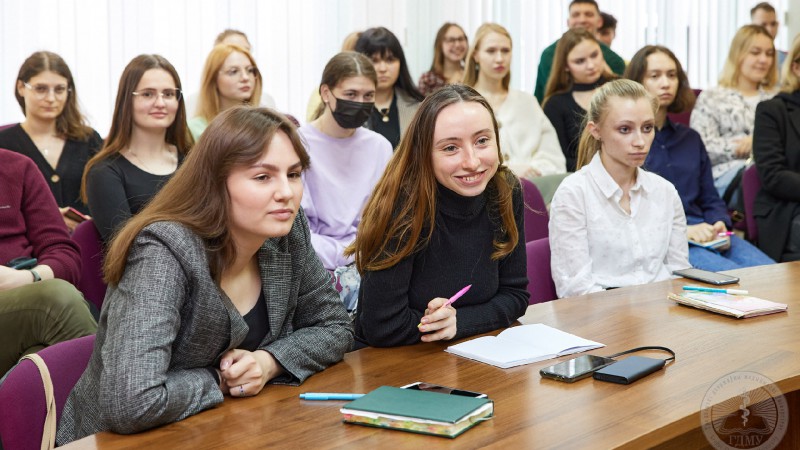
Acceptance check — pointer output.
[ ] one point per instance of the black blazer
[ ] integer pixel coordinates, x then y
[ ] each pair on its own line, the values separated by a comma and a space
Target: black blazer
776, 149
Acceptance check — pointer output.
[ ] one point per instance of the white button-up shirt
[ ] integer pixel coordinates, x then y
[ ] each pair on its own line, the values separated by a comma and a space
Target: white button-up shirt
595, 244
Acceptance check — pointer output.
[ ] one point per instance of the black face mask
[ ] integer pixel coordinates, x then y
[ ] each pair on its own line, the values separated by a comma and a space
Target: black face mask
351, 114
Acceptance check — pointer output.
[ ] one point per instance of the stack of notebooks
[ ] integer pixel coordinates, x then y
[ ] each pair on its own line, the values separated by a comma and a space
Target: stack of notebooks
418, 411
739, 306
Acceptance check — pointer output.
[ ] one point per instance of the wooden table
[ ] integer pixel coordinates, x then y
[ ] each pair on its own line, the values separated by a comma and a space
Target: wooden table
661, 410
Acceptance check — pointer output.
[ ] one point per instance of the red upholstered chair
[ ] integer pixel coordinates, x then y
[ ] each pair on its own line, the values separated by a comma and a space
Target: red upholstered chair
91, 285
686, 115
8, 125
22, 399
751, 184
540, 280
536, 218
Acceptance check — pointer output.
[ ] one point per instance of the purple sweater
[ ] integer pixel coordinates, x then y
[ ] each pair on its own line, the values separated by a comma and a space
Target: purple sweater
341, 178
30, 223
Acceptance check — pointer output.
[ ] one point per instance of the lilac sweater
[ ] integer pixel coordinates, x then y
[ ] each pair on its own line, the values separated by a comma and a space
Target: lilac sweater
337, 186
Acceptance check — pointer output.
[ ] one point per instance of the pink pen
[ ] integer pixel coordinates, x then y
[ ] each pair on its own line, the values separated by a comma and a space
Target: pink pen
453, 298
725, 233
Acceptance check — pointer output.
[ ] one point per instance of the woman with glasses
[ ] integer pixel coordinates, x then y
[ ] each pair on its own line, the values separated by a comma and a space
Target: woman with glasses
147, 142
449, 51
396, 97
54, 133
230, 78
528, 140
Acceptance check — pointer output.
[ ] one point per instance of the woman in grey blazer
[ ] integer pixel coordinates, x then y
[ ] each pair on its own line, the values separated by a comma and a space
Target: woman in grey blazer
214, 287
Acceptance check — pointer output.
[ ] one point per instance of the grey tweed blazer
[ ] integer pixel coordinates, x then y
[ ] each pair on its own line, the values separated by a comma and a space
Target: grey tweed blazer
167, 322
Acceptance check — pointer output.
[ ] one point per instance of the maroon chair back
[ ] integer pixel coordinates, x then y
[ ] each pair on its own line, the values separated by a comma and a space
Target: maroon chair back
91, 285
22, 401
540, 281
8, 125
685, 116
536, 218
751, 184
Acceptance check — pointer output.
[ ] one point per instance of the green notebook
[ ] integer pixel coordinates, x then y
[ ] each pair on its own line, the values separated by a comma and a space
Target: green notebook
418, 411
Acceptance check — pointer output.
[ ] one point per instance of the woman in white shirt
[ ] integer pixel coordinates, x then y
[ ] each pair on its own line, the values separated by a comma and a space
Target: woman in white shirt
528, 141
611, 223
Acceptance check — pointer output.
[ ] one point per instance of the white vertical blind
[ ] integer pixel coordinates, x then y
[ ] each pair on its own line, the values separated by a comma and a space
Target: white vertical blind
293, 39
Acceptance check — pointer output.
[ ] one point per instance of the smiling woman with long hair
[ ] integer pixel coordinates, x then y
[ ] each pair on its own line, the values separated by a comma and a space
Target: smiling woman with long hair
147, 142
214, 297
446, 213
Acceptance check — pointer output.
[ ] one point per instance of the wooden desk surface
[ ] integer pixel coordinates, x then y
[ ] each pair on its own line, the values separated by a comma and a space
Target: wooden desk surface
530, 412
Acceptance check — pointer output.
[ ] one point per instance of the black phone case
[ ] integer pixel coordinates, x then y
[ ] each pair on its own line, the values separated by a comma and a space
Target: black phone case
629, 369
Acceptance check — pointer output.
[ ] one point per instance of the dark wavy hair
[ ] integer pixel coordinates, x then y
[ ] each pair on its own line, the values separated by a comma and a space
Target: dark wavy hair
383, 42
637, 70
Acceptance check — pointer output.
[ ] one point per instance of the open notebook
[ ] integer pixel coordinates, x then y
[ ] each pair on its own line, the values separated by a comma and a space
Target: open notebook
522, 345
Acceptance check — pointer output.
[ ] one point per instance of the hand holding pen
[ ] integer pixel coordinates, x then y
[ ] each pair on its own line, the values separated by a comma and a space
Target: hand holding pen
439, 321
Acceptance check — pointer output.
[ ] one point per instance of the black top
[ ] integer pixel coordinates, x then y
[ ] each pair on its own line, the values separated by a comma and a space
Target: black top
392, 301
65, 179
257, 324
566, 115
391, 129
117, 190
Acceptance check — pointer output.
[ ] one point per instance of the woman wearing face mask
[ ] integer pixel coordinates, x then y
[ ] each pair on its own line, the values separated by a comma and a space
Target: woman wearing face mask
724, 115
527, 139
396, 97
230, 78
449, 51
578, 70
54, 133
346, 158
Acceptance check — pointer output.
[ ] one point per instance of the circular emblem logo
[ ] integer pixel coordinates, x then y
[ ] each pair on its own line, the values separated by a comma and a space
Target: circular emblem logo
744, 410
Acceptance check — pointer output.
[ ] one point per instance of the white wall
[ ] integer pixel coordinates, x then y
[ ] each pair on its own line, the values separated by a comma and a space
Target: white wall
293, 39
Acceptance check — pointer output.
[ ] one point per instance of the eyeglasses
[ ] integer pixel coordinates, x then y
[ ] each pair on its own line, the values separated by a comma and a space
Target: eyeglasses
234, 72
151, 95
460, 40
42, 90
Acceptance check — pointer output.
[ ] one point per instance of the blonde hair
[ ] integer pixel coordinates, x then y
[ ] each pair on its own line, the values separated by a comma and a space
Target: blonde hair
740, 45
208, 105
598, 109
791, 82
471, 71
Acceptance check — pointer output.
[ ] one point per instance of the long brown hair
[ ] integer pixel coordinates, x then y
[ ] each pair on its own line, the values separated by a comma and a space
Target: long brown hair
637, 70
342, 66
598, 109
208, 103
119, 138
70, 124
472, 69
235, 138
437, 66
403, 202
560, 79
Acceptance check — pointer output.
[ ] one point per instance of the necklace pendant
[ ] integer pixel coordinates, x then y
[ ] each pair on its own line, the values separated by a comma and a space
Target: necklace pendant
385, 119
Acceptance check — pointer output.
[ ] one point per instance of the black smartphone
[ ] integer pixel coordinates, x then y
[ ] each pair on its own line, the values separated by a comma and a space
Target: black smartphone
707, 277
575, 369
76, 215
420, 386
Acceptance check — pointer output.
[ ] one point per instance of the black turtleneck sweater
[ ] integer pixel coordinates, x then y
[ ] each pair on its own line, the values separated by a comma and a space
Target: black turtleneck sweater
392, 301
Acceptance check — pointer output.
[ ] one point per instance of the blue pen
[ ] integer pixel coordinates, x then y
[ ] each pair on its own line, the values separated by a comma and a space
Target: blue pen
708, 289
329, 396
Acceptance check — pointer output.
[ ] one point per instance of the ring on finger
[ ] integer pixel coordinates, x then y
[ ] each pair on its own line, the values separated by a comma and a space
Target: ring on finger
241, 390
